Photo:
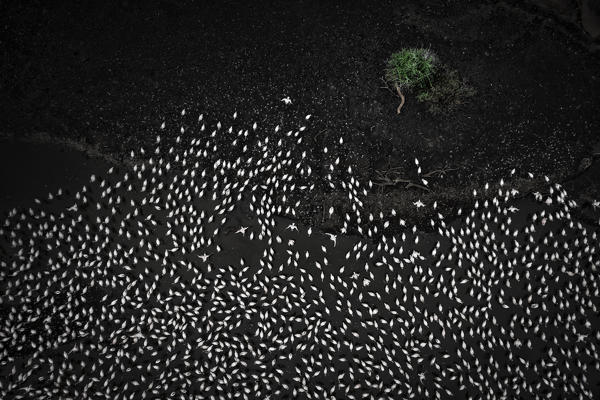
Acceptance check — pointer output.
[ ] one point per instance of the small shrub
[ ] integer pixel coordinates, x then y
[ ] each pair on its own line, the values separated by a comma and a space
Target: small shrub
410, 68
419, 70
446, 93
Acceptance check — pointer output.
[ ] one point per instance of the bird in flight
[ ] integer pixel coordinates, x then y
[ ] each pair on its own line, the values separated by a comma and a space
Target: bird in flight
333, 238
419, 204
287, 100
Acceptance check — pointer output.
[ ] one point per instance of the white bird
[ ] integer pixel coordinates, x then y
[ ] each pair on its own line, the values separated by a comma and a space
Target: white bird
333, 238
419, 204
287, 100
204, 257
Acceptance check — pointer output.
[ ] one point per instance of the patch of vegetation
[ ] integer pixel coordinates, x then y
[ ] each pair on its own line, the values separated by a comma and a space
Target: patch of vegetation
446, 93
410, 68
419, 69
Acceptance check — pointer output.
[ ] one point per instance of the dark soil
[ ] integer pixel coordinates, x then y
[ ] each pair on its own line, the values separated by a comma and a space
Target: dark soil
107, 73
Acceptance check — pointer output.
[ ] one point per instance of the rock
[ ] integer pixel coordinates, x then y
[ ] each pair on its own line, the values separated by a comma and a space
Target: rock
584, 164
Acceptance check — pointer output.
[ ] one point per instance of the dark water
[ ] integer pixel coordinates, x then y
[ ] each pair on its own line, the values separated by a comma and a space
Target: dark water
29, 171
114, 299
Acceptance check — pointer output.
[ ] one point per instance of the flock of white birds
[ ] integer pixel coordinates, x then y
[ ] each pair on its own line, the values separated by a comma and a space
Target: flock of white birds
188, 276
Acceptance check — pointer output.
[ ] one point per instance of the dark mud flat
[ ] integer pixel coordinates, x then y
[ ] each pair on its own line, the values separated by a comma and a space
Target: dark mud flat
103, 73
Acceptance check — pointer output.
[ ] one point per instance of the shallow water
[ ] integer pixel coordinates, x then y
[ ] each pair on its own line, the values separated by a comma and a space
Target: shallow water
114, 296
32, 170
